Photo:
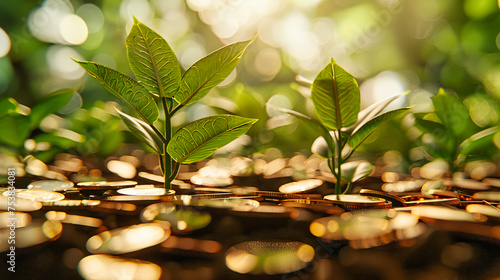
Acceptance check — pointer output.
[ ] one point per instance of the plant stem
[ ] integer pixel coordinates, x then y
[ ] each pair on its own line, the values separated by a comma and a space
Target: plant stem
348, 188
175, 168
338, 153
167, 159
331, 165
162, 163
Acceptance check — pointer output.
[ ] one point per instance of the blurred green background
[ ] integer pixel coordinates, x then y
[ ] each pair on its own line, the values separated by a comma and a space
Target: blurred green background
390, 46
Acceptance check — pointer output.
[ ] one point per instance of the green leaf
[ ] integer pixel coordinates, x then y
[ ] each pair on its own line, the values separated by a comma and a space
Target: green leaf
441, 145
335, 94
315, 124
48, 155
55, 140
208, 72
364, 131
49, 105
142, 131
372, 111
8, 106
437, 151
153, 61
250, 105
437, 131
200, 139
15, 129
478, 141
453, 114
124, 88
320, 147
354, 171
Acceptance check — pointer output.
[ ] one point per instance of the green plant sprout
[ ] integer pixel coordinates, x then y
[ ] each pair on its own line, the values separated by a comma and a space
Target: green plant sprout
161, 89
336, 98
450, 134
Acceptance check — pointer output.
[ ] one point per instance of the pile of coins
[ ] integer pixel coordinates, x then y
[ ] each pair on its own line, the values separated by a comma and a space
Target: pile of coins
122, 229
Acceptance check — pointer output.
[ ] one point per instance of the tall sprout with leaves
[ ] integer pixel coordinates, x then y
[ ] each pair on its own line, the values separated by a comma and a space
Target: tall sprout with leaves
162, 90
336, 98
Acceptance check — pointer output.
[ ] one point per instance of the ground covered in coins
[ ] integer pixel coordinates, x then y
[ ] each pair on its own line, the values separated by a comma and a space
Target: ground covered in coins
246, 219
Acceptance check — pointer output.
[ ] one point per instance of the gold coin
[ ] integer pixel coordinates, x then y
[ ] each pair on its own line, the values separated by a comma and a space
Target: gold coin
36, 195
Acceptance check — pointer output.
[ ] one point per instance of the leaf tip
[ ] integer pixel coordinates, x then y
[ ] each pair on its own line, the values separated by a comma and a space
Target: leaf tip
75, 60
405, 93
252, 39
252, 121
118, 110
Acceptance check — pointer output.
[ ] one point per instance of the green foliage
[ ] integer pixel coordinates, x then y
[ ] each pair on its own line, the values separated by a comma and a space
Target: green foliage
453, 114
8, 106
160, 85
17, 125
335, 94
142, 131
336, 99
356, 170
199, 139
450, 134
153, 61
16, 129
209, 72
99, 127
128, 90
362, 132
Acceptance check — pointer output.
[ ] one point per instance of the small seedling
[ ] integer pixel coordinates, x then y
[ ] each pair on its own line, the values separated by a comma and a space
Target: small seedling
450, 134
162, 90
336, 98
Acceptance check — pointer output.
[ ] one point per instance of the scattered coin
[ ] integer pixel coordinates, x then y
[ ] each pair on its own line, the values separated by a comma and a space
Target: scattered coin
271, 258
303, 186
36, 195
51, 185
128, 239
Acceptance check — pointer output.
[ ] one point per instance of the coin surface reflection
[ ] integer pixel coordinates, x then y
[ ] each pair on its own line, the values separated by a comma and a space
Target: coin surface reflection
51, 185
271, 258
36, 195
443, 213
128, 239
301, 186
182, 219
354, 198
107, 267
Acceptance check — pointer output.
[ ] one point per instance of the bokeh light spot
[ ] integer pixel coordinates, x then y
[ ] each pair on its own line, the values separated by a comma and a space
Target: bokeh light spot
92, 15
268, 63
199, 5
479, 9
60, 63
5, 43
73, 29
141, 9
